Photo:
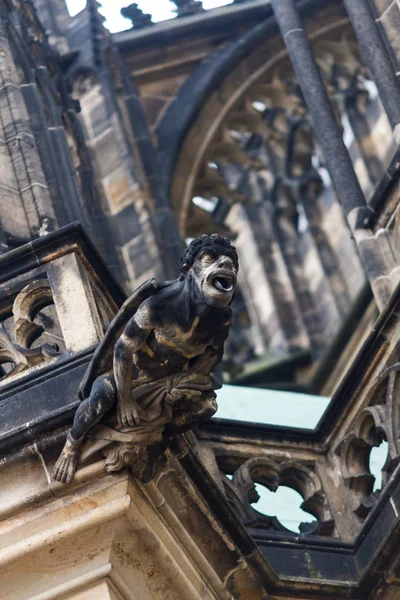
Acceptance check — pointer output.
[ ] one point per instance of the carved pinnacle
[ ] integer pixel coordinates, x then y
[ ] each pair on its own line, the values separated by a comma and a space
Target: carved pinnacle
188, 7
137, 16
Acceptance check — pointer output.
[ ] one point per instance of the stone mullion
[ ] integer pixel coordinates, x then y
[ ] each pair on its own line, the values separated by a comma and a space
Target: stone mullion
362, 132
261, 217
254, 283
326, 254
287, 309
330, 266
288, 239
259, 333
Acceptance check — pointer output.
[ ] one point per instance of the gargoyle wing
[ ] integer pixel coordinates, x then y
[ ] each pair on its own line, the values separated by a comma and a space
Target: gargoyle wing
102, 359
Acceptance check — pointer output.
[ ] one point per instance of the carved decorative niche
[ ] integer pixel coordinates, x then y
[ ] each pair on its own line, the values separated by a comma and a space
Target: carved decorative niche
376, 423
242, 494
53, 304
29, 329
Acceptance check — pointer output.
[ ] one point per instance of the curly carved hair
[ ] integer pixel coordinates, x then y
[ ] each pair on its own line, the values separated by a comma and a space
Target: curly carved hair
214, 243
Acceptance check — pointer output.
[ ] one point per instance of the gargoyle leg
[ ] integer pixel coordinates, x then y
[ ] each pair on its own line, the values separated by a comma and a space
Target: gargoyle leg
102, 398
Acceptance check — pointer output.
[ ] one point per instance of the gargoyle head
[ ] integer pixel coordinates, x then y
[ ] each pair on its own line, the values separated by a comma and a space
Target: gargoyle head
212, 262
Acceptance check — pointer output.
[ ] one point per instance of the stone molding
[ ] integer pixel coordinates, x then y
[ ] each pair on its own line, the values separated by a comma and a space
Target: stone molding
111, 537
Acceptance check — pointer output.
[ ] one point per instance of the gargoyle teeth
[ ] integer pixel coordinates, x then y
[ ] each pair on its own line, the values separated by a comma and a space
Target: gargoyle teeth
223, 284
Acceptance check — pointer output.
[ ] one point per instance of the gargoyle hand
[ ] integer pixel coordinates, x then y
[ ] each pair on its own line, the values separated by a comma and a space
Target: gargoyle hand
127, 413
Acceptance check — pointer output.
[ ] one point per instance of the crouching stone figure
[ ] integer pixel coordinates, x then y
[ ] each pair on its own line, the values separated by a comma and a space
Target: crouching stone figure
150, 378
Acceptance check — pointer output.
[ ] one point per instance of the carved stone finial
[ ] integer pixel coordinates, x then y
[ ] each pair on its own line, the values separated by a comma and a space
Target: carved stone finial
150, 378
188, 7
137, 16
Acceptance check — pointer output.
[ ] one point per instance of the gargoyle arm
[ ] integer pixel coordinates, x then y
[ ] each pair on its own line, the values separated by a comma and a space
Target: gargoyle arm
132, 339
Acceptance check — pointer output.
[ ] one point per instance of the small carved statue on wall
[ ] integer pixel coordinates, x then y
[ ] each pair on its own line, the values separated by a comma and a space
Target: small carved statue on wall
150, 378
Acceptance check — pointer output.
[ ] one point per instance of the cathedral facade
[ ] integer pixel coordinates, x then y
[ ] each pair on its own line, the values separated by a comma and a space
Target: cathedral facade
275, 124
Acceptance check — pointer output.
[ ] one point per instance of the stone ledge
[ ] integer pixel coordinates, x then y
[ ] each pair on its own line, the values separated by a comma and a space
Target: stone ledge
110, 534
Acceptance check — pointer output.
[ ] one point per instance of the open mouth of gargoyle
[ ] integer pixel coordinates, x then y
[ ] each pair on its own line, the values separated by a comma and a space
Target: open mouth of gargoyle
223, 283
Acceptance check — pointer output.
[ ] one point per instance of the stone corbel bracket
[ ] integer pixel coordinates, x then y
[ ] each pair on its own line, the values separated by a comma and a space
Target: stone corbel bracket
111, 537
54, 302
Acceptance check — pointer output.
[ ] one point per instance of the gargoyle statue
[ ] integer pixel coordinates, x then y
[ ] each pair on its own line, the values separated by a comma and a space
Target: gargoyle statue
150, 378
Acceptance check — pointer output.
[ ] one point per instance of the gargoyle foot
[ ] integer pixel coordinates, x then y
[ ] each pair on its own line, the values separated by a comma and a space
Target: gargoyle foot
65, 467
